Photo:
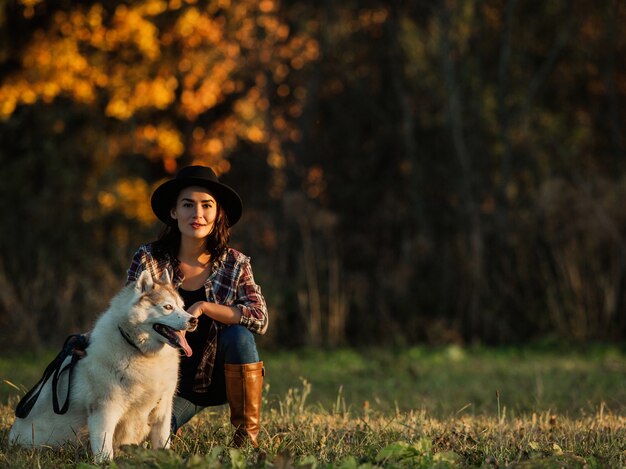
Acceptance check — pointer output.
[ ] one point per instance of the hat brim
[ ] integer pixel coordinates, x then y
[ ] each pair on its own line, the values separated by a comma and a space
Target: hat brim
164, 198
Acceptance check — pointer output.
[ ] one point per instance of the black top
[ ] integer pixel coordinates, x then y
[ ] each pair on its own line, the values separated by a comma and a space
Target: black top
197, 341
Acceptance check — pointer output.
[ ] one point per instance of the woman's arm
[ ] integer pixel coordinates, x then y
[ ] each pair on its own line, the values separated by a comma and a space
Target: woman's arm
251, 303
221, 313
249, 308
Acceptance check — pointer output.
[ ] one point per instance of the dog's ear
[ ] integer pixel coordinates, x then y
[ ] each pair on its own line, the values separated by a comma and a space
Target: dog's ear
144, 282
166, 278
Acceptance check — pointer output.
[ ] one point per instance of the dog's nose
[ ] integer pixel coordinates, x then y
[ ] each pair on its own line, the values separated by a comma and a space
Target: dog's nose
193, 322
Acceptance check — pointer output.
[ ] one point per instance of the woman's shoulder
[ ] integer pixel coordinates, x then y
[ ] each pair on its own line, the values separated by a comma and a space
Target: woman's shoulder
151, 250
232, 256
145, 249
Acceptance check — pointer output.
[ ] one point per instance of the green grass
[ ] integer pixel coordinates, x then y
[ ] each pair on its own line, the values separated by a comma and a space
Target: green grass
416, 407
451, 381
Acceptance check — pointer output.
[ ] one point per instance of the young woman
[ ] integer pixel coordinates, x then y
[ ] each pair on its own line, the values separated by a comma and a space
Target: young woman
217, 286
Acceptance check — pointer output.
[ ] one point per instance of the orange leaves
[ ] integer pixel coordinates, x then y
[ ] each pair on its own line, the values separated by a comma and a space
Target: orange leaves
134, 29
130, 196
126, 100
162, 141
86, 50
315, 182
267, 6
57, 62
128, 27
51, 67
208, 58
205, 83
195, 28
29, 7
163, 66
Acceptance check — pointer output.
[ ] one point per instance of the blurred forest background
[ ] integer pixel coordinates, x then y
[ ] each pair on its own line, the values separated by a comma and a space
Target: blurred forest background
412, 171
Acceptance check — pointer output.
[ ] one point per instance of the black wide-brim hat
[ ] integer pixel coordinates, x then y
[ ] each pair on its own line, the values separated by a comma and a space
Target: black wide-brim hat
164, 197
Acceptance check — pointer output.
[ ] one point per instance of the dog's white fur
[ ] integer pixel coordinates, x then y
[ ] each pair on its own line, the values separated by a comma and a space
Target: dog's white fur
119, 395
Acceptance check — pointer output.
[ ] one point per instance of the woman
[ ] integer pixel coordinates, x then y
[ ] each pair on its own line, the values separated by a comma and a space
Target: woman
217, 286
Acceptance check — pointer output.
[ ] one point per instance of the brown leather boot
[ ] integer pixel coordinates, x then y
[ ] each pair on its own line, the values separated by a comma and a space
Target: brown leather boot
244, 385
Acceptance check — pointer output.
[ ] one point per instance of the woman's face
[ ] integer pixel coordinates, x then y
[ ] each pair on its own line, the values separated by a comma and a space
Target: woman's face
195, 212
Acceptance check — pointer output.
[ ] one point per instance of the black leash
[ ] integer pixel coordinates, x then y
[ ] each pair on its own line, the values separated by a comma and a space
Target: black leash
72, 343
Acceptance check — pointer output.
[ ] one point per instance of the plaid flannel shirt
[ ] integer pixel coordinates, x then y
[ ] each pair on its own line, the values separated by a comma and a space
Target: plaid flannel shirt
231, 283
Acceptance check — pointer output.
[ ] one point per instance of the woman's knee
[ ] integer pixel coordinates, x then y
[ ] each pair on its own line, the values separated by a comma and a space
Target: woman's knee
182, 412
239, 345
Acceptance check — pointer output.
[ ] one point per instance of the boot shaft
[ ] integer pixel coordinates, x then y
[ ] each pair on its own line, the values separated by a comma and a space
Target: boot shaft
244, 387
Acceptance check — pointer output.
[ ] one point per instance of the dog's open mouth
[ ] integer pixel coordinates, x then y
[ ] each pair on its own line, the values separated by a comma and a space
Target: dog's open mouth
174, 337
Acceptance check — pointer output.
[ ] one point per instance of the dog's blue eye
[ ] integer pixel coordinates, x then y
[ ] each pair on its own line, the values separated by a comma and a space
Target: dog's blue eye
168, 306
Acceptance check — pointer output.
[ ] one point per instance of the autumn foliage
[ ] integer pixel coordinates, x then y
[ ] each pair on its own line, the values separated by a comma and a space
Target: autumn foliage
428, 171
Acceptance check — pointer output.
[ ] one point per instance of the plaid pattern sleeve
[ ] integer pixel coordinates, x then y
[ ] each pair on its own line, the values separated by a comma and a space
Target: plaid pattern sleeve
251, 302
145, 260
233, 285
136, 266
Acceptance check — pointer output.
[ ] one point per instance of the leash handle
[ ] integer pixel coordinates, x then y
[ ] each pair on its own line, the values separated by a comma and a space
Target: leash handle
55, 383
27, 402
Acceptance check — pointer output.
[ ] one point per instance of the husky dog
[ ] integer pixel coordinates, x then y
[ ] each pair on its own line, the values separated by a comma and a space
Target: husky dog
122, 390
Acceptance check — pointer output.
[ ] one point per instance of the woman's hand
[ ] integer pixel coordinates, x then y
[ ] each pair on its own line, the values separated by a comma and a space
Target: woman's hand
197, 309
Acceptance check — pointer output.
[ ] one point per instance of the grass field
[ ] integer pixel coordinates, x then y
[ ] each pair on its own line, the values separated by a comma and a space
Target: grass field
416, 407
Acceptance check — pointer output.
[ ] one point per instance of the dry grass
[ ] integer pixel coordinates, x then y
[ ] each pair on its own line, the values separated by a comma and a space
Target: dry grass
305, 428
413, 439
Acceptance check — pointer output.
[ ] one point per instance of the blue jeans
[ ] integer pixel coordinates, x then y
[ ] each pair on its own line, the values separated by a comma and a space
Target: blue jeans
235, 346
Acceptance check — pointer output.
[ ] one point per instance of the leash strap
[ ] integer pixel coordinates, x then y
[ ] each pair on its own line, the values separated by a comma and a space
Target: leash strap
54, 369
55, 383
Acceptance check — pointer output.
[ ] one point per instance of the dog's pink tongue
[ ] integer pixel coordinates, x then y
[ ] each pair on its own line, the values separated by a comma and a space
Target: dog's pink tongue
182, 342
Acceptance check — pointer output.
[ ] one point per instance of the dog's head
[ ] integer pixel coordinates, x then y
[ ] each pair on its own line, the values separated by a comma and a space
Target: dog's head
158, 316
